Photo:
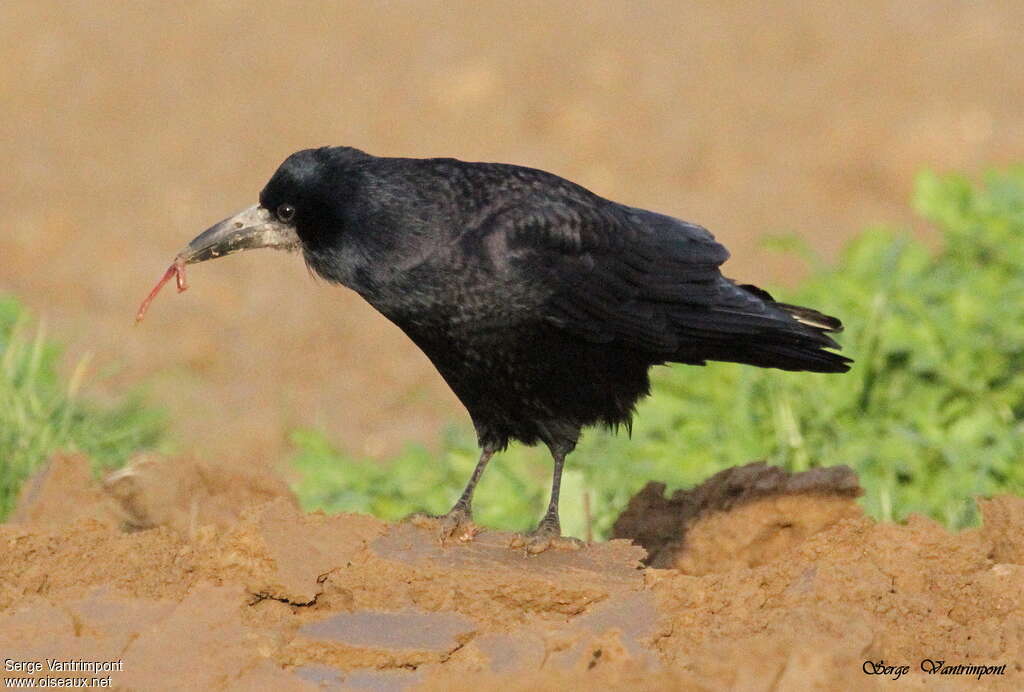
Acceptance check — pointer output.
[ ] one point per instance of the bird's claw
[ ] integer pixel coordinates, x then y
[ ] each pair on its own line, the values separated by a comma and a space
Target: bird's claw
455, 525
544, 539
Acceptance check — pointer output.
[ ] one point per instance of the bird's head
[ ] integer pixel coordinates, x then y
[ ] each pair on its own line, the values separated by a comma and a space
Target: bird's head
297, 209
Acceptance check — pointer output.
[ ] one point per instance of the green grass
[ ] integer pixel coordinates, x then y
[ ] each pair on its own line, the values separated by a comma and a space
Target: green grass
41, 414
931, 415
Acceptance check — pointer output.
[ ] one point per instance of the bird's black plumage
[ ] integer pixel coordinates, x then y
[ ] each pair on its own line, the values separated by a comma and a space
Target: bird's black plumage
542, 304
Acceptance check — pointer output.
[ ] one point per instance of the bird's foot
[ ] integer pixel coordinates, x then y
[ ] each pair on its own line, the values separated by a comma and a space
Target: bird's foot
456, 525
546, 536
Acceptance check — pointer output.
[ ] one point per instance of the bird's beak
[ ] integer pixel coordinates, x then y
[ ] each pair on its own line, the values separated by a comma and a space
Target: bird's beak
252, 228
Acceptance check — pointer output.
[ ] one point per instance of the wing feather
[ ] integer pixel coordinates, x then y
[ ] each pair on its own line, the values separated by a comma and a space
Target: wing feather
615, 273
610, 273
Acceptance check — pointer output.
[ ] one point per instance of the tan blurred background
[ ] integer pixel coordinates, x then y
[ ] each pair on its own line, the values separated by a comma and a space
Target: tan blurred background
126, 128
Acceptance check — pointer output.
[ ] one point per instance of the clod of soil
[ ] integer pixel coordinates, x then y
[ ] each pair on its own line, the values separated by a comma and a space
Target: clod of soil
742, 516
232, 586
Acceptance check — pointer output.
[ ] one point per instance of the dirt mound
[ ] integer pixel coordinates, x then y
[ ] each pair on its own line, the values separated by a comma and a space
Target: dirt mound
233, 586
152, 491
742, 516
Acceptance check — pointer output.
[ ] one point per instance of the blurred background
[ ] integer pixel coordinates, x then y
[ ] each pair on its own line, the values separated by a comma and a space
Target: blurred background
129, 127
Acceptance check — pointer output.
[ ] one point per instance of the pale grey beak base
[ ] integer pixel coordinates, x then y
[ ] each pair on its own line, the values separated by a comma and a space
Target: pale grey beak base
252, 228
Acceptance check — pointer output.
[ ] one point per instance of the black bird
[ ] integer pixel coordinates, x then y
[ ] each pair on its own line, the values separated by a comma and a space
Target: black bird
541, 304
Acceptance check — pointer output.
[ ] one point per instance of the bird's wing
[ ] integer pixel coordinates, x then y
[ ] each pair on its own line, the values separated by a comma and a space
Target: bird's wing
614, 273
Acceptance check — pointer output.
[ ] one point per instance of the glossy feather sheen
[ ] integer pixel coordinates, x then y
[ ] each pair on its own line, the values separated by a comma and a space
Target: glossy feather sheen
541, 304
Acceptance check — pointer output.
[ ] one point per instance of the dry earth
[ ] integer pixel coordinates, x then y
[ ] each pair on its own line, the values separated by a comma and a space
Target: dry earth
197, 576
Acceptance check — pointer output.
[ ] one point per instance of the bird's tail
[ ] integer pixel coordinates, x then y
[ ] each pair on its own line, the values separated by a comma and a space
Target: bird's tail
804, 348
813, 318
788, 337
791, 356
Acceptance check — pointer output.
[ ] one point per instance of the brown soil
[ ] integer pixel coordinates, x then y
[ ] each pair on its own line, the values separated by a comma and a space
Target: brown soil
127, 128
231, 587
742, 515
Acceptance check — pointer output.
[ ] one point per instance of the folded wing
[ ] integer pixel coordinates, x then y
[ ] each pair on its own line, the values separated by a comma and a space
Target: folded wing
616, 274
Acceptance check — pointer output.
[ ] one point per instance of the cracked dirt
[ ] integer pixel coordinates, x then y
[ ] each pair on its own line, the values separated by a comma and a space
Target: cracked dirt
206, 580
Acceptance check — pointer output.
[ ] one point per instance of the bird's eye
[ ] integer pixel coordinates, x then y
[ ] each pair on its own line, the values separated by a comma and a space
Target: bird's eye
286, 212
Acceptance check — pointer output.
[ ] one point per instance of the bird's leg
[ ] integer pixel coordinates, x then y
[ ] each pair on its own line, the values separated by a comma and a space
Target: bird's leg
458, 522
550, 524
464, 505
548, 533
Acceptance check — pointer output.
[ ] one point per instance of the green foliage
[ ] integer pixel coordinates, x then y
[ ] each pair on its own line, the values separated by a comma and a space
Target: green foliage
40, 414
931, 415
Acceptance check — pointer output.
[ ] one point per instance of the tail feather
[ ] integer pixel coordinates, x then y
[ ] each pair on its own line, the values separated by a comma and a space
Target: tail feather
794, 338
777, 350
813, 318
793, 357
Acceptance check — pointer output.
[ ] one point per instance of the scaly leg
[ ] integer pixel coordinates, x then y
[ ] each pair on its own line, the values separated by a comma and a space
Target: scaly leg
548, 533
458, 522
